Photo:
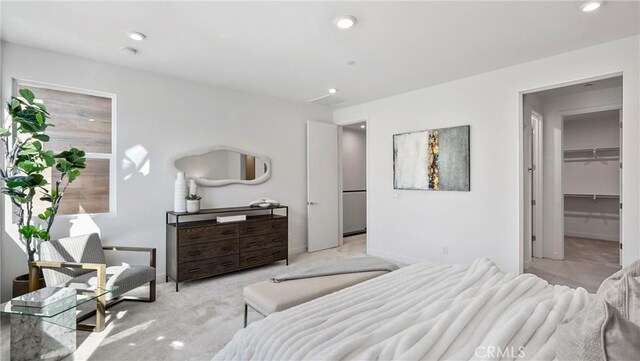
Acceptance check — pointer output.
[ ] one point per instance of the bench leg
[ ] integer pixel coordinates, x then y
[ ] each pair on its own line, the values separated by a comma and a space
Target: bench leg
245, 314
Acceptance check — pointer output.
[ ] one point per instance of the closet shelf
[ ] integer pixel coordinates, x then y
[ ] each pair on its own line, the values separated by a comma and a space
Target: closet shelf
613, 152
592, 196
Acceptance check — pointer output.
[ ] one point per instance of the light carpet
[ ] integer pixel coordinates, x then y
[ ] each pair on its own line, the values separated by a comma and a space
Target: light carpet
193, 324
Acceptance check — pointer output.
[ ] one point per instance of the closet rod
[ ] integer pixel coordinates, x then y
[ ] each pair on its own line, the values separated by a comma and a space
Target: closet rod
592, 196
592, 150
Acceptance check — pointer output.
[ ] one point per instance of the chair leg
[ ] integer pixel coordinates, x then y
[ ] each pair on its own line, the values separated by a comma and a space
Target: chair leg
246, 309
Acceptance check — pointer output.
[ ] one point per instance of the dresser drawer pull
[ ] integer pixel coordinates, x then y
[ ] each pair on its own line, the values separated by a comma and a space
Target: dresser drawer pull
277, 225
227, 232
226, 249
250, 229
194, 253
251, 258
251, 244
227, 264
194, 236
276, 253
194, 270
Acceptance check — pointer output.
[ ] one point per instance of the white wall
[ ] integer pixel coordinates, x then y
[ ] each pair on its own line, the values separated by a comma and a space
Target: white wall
488, 220
554, 110
161, 117
354, 177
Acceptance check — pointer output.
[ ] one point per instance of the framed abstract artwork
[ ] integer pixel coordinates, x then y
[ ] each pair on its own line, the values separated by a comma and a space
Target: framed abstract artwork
436, 159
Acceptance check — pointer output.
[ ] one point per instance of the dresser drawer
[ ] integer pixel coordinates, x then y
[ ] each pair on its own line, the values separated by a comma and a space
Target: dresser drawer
262, 256
263, 227
199, 251
207, 234
208, 267
263, 241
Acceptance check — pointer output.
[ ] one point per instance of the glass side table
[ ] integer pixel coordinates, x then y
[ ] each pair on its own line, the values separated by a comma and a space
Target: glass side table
49, 331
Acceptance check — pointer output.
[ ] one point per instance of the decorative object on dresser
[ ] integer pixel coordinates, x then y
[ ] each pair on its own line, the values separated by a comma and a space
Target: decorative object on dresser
193, 203
180, 193
203, 248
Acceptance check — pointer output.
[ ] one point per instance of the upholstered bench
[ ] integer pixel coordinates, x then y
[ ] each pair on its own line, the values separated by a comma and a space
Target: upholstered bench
268, 297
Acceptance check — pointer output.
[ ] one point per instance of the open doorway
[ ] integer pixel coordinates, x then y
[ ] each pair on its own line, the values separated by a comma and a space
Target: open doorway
354, 184
572, 182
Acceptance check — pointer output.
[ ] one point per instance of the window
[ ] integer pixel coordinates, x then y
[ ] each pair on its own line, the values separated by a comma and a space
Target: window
82, 119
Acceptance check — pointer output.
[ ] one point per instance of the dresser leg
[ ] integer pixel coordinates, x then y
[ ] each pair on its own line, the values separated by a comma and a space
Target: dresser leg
167, 278
176, 286
287, 261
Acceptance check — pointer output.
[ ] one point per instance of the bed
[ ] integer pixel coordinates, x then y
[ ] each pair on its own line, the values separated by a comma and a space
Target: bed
423, 311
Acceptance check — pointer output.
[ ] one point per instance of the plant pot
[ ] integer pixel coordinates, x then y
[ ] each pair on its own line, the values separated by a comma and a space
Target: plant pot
193, 206
21, 285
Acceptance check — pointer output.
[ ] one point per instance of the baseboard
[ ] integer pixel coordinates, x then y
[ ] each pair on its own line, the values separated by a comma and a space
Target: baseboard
297, 250
392, 256
602, 237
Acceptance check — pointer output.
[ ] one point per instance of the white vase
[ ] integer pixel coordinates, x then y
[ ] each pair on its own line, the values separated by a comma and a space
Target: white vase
180, 193
193, 206
193, 187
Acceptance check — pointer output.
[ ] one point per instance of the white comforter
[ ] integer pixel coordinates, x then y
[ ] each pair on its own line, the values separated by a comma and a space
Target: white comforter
423, 311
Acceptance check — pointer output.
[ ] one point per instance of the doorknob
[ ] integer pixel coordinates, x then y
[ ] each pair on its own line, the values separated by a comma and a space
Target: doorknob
311, 203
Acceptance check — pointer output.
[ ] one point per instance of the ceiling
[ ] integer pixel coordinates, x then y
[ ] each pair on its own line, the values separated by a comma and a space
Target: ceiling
615, 82
357, 126
292, 50
606, 114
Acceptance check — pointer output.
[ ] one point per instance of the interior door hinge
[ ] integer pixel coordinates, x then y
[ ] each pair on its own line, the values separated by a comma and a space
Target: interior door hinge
533, 238
620, 205
533, 202
620, 245
620, 165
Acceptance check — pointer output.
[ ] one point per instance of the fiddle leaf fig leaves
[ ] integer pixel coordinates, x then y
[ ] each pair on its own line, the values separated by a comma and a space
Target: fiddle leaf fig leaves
27, 161
28, 95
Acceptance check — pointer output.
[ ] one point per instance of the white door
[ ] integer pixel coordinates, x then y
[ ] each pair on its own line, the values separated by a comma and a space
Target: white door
322, 186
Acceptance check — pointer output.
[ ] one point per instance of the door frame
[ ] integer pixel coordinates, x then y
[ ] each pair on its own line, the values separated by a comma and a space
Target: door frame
521, 160
341, 125
537, 186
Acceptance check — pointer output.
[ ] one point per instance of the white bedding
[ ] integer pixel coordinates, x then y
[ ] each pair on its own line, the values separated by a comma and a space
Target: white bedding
424, 311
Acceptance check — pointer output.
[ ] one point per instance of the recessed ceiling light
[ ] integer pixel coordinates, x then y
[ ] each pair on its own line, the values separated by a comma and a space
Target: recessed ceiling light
137, 36
333, 91
591, 5
351, 62
129, 51
345, 21
363, 126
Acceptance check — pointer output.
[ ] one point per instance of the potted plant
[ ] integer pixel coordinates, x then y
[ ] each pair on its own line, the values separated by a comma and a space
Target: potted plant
26, 160
193, 203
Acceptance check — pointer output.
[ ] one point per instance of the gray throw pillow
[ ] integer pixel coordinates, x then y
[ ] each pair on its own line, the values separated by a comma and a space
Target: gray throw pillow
598, 333
624, 296
632, 270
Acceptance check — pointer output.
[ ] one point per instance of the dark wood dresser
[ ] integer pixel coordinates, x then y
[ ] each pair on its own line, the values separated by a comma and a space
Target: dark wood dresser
199, 248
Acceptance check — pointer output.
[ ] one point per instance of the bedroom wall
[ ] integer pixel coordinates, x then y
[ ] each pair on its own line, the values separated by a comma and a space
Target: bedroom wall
161, 117
458, 227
